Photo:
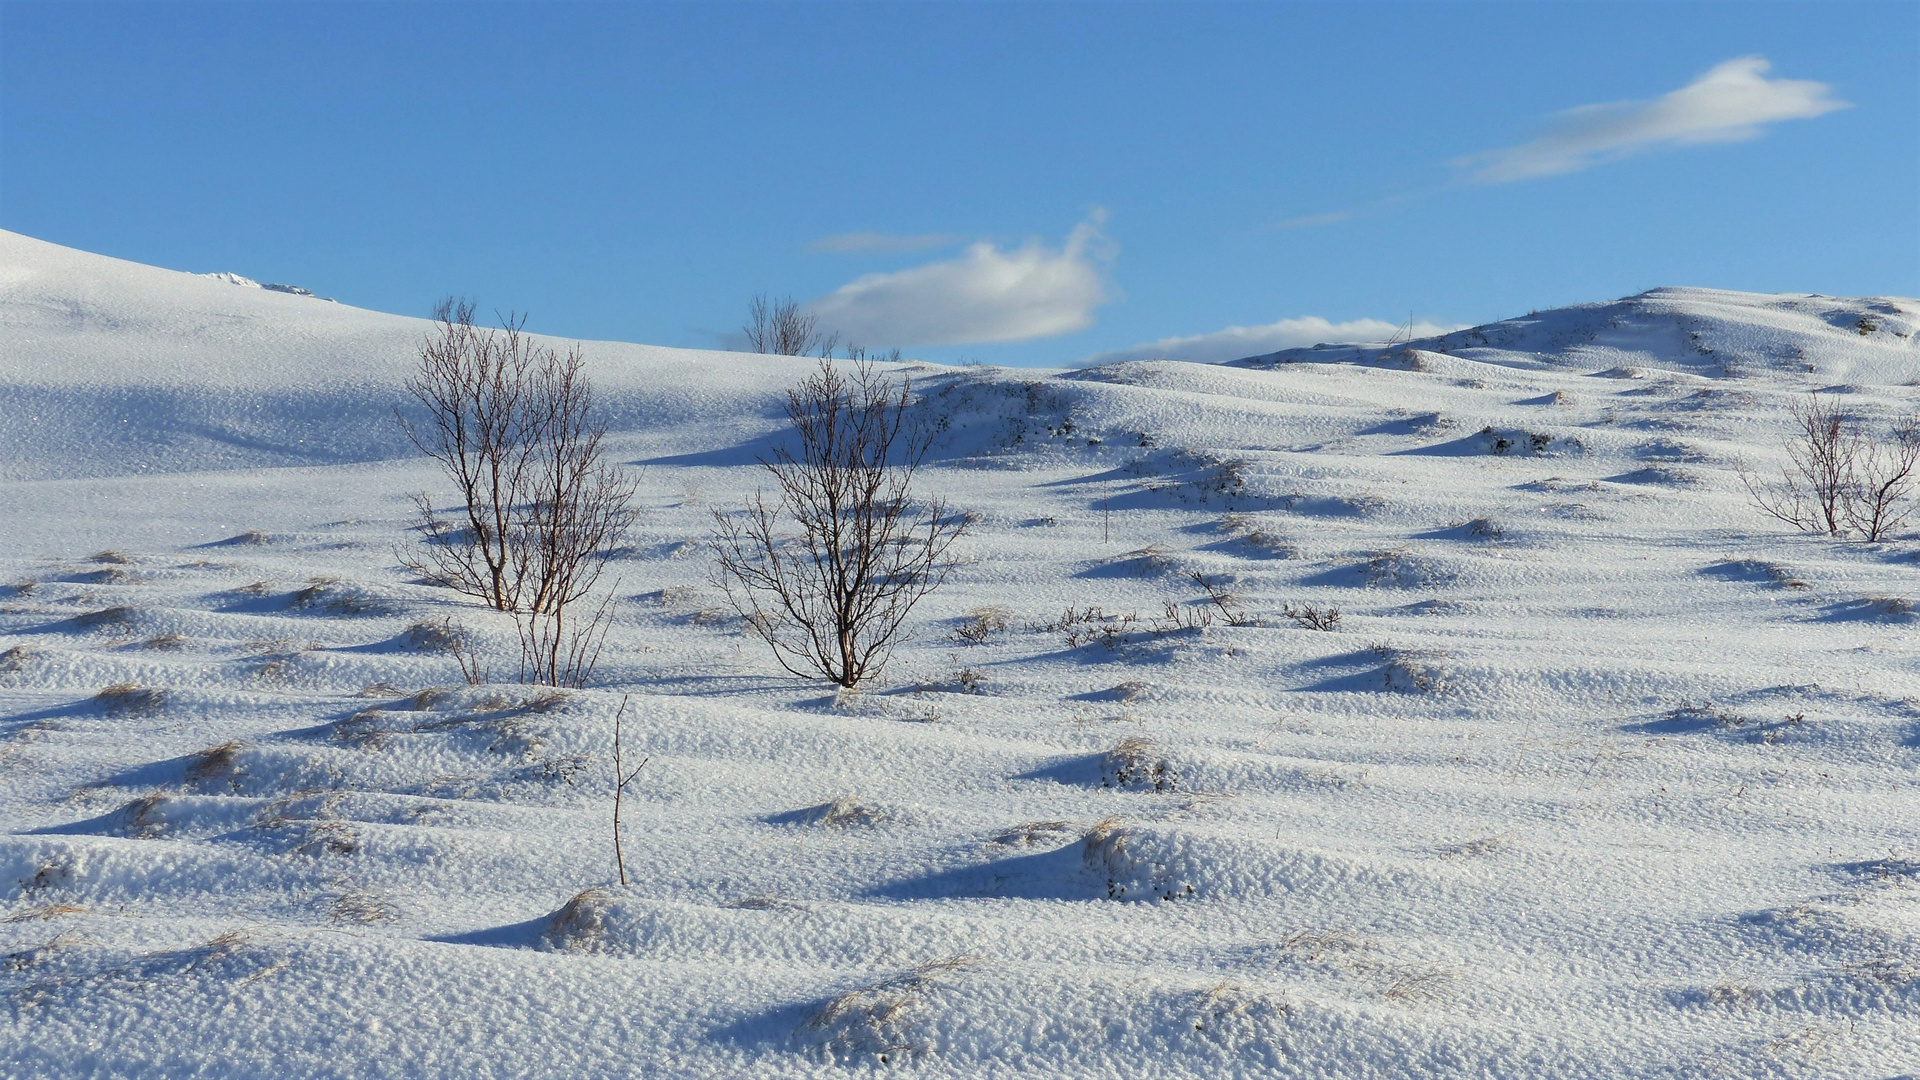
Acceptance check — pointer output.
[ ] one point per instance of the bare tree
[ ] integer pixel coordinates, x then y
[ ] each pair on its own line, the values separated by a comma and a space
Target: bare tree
831, 595
473, 384
1820, 468
1879, 499
512, 423
1838, 480
782, 328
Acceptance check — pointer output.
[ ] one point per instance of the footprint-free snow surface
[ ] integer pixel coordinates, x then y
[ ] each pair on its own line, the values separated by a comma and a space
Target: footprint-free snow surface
1518, 744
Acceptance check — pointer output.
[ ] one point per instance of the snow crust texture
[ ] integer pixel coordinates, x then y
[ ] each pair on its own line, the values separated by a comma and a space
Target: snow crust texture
1431, 710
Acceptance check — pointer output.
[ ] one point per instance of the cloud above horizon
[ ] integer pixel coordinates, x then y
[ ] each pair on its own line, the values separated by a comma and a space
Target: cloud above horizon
1235, 342
1732, 102
884, 243
985, 295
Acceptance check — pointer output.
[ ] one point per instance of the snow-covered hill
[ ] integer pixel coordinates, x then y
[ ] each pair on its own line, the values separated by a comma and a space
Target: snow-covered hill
1598, 773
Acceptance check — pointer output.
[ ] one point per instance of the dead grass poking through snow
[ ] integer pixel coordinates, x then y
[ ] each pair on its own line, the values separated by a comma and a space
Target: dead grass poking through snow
363, 907
845, 811
131, 699
581, 923
216, 765
16, 659
1035, 833
886, 1020
45, 911
1138, 763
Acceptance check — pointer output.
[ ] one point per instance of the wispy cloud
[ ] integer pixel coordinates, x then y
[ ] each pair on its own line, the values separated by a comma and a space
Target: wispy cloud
1237, 341
985, 295
869, 242
1732, 102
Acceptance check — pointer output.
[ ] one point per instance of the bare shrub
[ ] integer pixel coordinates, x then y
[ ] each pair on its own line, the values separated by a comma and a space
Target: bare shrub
833, 600
1838, 480
1225, 602
1312, 618
982, 623
512, 423
782, 328
1878, 500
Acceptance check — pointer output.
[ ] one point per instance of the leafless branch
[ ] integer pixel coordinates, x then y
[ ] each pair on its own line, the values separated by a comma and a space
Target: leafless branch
827, 574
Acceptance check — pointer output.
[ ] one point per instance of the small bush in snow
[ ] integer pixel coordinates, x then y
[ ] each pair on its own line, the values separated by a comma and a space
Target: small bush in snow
1312, 618
1838, 480
830, 594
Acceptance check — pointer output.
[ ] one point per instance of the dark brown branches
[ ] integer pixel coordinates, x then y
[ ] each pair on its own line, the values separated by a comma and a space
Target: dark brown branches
827, 574
782, 328
1879, 500
1838, 481
512, 423
621, 778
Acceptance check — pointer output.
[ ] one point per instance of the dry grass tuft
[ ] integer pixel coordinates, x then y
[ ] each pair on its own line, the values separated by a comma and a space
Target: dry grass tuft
1035, 833
45, 911
217, 764
168, 642
982, 623
1136, 762
363, 907
138, 819
581, 923
16, 659
131, 699
116, 616
880, 1020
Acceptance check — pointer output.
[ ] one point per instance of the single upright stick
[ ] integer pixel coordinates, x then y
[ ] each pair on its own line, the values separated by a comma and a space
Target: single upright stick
621, 778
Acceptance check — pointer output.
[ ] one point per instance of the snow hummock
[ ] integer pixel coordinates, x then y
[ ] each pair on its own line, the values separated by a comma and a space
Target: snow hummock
1596, 773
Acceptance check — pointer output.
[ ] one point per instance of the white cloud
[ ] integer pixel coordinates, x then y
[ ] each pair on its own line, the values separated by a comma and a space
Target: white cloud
1237, 341
985, 295
1732, 102
863, 242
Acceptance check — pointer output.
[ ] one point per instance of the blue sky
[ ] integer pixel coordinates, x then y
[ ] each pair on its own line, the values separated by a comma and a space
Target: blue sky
1030, 183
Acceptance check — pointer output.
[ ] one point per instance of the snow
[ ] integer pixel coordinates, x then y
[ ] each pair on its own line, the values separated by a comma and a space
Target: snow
1599, 773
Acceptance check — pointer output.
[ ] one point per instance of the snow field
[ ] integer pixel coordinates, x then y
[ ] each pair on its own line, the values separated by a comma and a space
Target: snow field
1597, 774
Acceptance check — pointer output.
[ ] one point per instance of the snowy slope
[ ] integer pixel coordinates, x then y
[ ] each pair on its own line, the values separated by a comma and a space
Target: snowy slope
113, 368
1598, 774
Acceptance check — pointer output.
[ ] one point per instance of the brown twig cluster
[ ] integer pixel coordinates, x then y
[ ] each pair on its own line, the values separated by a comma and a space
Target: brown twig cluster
782, 328
512, 424
1838, 480
827, 573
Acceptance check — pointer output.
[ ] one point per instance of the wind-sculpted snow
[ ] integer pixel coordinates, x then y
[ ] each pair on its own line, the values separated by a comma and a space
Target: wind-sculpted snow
1447, 714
